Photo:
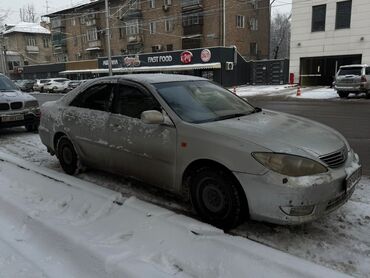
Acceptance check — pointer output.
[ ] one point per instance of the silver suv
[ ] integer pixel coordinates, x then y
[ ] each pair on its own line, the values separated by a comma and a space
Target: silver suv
353, 79
17, 108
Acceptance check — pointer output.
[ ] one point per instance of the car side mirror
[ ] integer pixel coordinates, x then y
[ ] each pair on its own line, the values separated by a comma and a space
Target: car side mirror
152, 117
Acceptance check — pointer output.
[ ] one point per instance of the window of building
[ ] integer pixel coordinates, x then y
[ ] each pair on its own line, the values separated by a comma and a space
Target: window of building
84, 38
122, 32
169, 47
318, 18
31, 41
92, 34
253, 24
75, 41
253, 49
134, 4
168, 25
132, 27
152, 27
191, 19
254, 4
46, 41
73, 21
240, 21
185, 3
343, 17
152, 4
167, 2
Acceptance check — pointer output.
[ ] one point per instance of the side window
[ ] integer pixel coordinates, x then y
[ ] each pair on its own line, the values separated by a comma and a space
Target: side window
97, 97
367, 70
131, 101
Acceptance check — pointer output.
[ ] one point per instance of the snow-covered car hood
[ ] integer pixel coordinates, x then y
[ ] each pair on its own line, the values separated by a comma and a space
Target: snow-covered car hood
10, 96
280, 132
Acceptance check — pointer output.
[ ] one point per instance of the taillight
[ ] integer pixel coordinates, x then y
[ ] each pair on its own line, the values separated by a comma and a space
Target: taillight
363, 78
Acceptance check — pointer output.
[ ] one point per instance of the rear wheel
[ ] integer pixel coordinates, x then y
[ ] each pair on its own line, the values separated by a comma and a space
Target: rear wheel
67, 155
343, 94
216, 198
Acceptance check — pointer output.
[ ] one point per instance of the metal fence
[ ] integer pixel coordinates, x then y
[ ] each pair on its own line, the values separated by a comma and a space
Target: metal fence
269, 72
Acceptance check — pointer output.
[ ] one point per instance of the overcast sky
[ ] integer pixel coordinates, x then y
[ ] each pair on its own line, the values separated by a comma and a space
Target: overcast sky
13, 6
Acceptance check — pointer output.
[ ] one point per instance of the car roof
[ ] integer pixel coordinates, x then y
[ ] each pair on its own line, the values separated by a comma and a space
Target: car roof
354, 66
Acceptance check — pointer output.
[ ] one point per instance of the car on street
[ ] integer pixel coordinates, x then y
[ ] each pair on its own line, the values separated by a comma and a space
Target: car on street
57, 85
74, 84
39, 84
196, 139
26, 85
16, 107
352, 79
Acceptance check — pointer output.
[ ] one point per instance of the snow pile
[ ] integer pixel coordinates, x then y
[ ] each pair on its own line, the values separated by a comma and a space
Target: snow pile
246, 91
317, 93
55, 225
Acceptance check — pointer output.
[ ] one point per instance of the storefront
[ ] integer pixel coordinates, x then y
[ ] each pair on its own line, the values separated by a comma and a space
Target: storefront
223, 65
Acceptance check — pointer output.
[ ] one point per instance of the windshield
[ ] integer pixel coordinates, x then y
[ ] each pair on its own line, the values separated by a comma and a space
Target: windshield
6, 84
202, 101
350, 71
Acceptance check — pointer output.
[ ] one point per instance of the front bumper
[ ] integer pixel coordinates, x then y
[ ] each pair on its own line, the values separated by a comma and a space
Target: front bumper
353, 89
30, 118
280, 199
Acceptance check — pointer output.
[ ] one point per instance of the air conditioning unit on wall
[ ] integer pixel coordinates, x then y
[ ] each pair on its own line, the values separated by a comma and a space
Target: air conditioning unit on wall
229, 65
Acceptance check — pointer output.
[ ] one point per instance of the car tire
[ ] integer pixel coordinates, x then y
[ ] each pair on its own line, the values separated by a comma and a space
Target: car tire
67, 155
343, 94
215, 197
32, 127
41, 90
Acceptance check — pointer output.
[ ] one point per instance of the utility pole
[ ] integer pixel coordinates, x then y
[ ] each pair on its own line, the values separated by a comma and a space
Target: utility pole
107, 32
224, 23
3, 58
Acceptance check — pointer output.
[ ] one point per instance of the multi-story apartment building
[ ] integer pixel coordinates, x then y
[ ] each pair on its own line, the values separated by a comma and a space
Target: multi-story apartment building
326, 34
28, 43
161, 25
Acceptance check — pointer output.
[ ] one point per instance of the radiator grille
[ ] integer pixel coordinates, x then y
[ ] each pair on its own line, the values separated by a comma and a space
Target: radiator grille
4, 106
335, 159
16, 105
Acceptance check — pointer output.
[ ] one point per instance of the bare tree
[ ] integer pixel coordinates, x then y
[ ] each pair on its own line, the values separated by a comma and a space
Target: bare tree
28, 14
280, 36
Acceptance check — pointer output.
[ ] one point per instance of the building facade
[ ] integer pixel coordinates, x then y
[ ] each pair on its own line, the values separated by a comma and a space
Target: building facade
161, 25
326, 34
26, 44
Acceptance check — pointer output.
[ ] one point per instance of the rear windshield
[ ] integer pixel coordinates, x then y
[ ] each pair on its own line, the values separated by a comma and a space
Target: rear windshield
350, 71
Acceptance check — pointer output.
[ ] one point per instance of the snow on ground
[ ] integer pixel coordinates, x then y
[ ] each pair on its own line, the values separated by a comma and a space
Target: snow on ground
340, 240
54, 225
288, 91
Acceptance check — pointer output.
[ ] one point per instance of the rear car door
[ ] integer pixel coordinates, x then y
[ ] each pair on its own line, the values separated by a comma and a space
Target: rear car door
144, 151
86, 119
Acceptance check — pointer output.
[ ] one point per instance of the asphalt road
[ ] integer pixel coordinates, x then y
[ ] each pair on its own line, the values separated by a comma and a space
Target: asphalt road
351, 117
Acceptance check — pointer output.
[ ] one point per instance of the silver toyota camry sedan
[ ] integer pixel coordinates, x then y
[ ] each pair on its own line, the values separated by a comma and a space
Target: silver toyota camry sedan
197, 139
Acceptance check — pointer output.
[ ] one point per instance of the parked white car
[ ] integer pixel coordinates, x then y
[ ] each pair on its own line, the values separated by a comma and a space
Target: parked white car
57, 85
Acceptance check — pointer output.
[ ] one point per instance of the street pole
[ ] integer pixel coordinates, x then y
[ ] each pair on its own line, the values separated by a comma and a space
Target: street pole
107, 32
224, 23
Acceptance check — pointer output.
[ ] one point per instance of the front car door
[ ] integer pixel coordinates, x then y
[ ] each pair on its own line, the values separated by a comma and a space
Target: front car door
86, 119
144, 151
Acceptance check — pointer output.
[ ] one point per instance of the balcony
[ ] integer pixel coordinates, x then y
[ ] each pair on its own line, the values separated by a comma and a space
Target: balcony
187, 5
94, 44
130, 14
59, 49
193, 30
134, 39
32, 49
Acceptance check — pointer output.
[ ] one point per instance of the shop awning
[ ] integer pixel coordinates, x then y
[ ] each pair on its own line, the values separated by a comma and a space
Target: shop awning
92, 49
148, 69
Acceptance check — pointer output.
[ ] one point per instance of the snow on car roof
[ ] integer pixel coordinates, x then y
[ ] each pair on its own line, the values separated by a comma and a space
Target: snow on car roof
27, 27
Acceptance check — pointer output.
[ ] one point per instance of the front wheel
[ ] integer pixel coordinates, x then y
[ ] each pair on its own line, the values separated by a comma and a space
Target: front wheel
216, 198
343, 94
67, 155
32, 127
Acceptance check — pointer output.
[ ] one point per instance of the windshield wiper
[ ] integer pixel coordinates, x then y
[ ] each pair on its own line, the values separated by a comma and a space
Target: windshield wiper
236, 115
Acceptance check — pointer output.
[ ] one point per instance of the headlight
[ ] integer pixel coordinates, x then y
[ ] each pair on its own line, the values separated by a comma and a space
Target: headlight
31, 104
290, 165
